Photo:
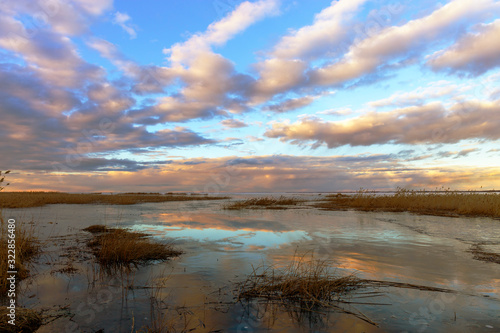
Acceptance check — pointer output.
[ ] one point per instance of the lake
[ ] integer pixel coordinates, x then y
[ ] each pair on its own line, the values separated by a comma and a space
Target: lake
198, 289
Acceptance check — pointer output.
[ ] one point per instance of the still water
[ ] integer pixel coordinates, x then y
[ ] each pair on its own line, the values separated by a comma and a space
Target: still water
221, 247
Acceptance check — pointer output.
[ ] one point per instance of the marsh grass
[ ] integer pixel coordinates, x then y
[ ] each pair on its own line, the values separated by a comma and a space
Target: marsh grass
444, 203
27, 246
27, 320
307, 286
265, 202
118, 248
308, 283
36, 199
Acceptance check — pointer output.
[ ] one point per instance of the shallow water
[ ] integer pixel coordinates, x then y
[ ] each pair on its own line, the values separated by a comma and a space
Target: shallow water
222, 246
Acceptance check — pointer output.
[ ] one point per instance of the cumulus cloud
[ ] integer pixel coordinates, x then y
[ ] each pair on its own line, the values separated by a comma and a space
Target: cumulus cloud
367, 55
474, 53
233, 123
290, 104
121, 19
321, 38
52, 56
429, 123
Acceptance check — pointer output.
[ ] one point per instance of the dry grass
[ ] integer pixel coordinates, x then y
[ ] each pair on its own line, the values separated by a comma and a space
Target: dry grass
27, 320
446, 203
116, 248
35, 199
265, 202
308, 286
26, 246
309, 283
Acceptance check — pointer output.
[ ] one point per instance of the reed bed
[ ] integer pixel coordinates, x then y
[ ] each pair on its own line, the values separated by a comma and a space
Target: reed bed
27, 320
27, 247
445, 203
264, 202
309, 283
117, 248
36, 199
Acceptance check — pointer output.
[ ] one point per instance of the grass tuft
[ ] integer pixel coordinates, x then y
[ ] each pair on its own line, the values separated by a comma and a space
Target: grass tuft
27, 247
309, 283
27, 320
265, 202
445, 203
116, 248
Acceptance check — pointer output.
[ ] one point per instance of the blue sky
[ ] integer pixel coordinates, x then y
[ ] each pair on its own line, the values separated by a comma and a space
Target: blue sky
246, 96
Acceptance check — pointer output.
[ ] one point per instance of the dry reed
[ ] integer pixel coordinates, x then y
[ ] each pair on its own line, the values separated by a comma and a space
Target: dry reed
35, 199
309, 283
116, 248
27, 320
265, 202
27, 247
445, 203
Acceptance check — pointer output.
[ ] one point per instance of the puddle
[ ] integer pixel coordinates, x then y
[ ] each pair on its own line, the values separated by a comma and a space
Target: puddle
221, 247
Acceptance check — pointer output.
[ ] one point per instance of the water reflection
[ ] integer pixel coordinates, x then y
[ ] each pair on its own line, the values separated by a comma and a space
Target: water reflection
221, 247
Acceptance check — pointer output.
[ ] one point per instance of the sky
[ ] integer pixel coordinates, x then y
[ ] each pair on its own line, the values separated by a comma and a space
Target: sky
249, 96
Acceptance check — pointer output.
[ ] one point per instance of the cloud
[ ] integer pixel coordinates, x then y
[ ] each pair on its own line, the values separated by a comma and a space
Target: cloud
420, 95
53, 57
269, 173
121, 19
72, 17
290, 104
233, 123
321, 38
389, 44
474, 53
218, 33
427, 124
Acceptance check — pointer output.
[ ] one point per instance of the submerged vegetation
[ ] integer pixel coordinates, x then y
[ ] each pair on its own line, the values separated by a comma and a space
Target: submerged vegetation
35, 199
265, 202
115, 248
446, 203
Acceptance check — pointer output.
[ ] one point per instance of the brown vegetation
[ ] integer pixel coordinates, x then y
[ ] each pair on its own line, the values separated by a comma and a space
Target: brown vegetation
115, 248
35, 199
265, 202
447, 203
309, 283
26, 247
27, 320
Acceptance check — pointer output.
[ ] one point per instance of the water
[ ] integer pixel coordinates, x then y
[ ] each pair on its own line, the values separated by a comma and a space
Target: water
221, 247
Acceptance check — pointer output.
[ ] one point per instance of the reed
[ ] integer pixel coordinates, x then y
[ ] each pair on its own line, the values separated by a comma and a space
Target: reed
117, 248
308, 283
26, 247
27, 320
264, 202
36, 199
439, 202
